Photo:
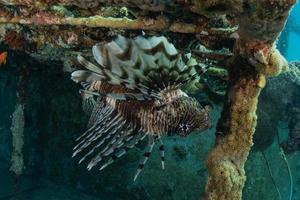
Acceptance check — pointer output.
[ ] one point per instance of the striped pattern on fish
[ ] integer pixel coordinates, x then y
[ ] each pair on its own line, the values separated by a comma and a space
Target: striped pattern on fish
132, 92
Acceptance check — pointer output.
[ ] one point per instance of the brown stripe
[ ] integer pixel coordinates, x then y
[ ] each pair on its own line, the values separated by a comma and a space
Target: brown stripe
141, 166
147, 154
161, 148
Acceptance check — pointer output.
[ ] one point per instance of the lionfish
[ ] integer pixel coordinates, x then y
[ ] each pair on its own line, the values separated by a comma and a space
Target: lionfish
135, 91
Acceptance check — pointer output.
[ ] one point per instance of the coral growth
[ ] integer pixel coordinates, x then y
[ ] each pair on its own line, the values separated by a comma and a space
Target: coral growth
16, 41
293, 142
255, 59
294, 73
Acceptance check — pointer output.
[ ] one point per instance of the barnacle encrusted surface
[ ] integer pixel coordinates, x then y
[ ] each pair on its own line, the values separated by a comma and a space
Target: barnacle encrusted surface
143, 4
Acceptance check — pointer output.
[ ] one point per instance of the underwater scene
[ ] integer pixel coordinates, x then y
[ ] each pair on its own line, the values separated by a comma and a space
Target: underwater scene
149, 100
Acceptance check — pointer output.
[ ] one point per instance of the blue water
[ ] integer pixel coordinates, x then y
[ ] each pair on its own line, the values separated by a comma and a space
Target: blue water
293, 51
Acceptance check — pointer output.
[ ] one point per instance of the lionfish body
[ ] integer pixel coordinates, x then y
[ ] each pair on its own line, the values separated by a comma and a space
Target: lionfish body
137, 83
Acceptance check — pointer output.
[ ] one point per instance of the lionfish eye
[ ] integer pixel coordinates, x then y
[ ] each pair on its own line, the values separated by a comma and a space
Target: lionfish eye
184, 128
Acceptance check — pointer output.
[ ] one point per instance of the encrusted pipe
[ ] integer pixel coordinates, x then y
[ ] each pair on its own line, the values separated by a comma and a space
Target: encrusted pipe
234, 139
160, 23
255, 58
157, 6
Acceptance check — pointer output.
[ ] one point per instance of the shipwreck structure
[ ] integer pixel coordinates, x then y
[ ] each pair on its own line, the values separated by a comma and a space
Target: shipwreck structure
239, 36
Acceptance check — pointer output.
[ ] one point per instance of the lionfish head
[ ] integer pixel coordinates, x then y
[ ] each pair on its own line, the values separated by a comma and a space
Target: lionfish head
193, 117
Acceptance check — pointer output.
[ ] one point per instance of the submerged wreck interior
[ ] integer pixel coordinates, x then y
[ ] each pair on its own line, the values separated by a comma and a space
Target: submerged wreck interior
41, 111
